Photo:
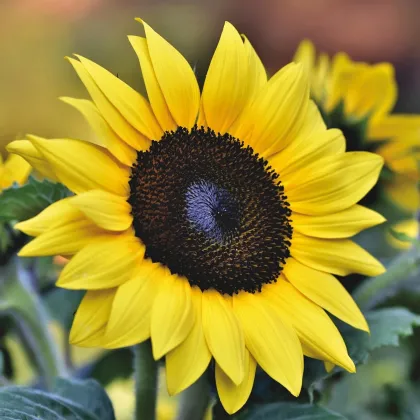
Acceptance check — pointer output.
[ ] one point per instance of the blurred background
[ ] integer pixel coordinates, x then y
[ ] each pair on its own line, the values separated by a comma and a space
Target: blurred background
35, 35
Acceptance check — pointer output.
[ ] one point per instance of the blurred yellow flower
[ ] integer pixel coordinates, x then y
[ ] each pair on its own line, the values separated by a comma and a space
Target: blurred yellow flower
368, 92
410, 228
14, 169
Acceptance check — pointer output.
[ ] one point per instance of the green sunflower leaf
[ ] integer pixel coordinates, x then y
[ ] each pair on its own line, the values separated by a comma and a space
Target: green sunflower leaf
70, 399
387, 326
289, 411
19, 203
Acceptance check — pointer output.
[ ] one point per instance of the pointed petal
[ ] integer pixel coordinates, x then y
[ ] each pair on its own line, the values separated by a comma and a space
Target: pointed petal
63, 239
82, 166
313, 326
333, 183
337, 256
224, 335
132, 106
277, 114
187, 362
326, 291
304, 151
131, 313
106, 136
273, 342
377, 90
225, 91
29, 152
305, 54
108, 211
117, 122
91, 317
175, 77
154, 91
257, 76
172, 315
58, 213
233, 397
103, 264
342, 224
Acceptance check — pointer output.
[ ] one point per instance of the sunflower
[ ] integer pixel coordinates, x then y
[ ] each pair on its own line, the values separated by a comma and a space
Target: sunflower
14, 169
212, 222
358, 98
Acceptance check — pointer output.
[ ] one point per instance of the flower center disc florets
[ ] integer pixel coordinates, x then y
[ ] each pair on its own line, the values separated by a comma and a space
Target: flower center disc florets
210, 209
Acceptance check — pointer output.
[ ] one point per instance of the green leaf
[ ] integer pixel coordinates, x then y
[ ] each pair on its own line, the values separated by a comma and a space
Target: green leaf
71, 399
289, 411
19, 203
376, 290
387, 326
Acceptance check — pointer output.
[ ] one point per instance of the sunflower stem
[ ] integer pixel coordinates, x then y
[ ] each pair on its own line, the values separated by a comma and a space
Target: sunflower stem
376, 290
194, 401
31, 321
145, 373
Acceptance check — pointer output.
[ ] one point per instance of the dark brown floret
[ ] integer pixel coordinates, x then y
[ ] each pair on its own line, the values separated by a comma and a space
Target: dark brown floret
212, 210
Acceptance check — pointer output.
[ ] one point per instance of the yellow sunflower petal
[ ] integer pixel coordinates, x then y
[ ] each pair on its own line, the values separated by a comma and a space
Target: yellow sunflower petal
233, 397
82, 166
392, 126
172, 315
277, 114
272, 342
305, 54
132, 106
106, 136
131, 313
343, 72
326, 291
58, 213
64, 239
342, 224
303, 152
338, 256
187, 362
225, 90
108, 211
333, 183
91, 317
175, 77
29, 152
224, 335
404, 192
110, 113
103, 264
257, 76
15, 169
377, 92
313, 326
154, 91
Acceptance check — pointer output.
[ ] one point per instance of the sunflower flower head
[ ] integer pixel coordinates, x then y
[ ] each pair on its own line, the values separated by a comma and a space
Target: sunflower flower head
358, 98
211, 221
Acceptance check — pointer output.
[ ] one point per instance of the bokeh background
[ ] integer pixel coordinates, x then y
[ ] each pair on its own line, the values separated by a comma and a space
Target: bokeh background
36, 35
